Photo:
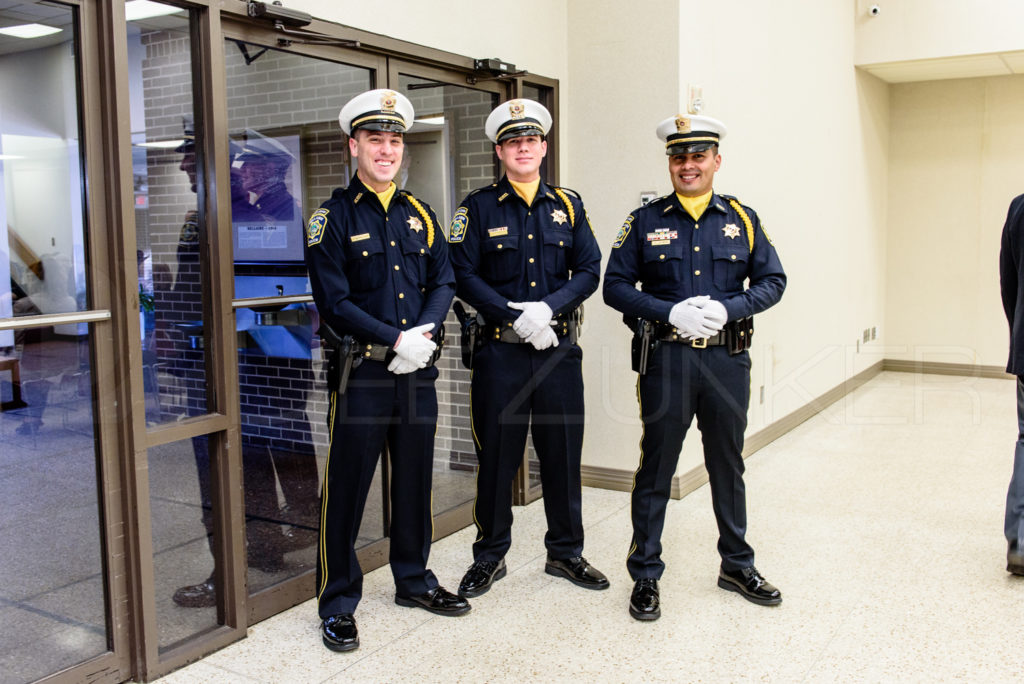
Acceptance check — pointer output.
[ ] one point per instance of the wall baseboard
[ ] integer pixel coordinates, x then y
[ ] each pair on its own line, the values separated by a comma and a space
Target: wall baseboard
622, 480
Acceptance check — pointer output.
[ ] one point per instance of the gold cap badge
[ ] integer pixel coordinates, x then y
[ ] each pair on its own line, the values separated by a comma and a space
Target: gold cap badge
388, 100
517, 109
682, 124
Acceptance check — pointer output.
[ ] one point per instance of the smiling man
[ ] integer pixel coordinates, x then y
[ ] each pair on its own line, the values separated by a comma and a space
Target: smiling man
691, 252
382, 283
525, 257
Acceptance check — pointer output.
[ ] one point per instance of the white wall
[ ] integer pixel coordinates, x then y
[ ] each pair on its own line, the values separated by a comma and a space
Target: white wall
925, 29
957, 161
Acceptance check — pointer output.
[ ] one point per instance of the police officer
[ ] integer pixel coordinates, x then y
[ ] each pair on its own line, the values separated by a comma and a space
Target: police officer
264, 164
525, 257
379, 269
691, 252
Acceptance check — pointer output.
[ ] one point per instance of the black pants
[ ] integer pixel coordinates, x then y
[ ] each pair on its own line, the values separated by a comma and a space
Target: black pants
512, 384
378, 406
682, 382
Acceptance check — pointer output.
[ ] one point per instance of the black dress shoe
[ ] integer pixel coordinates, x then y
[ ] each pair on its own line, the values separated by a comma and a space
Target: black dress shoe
1014, 560
748, 583
438, 600
340, 633
480, 576
202, 595
644, 603
578, 571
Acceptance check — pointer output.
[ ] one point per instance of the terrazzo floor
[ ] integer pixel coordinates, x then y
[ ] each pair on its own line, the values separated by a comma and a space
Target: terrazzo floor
880, 519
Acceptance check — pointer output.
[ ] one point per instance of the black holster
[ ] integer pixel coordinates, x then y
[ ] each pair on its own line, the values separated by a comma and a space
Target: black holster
341, 359
472, 339
738, 335
644, 344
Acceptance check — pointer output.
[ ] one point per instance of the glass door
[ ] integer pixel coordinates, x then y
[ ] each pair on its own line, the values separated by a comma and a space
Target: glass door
60, 601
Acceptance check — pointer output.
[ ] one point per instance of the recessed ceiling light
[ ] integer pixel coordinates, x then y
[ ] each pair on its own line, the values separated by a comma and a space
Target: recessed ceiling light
161, 144
29, 30
144, 9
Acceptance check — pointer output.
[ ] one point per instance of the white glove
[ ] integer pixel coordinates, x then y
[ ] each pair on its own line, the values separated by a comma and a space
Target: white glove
544, 338
715, 315
400, 366
536, 315
414, 347
688, 318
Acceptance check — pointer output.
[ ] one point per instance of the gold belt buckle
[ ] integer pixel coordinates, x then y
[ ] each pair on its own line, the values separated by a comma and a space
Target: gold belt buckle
699, 342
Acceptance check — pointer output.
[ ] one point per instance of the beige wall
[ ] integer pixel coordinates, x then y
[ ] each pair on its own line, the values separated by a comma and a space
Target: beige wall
807, 148
925, 29
957, 160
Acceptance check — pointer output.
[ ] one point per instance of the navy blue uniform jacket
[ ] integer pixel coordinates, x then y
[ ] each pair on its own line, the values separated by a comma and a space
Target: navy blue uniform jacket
674, 257
373, 273
1011, 282
504, 251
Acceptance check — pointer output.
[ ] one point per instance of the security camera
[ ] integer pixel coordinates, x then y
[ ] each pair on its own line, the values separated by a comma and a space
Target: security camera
874, 10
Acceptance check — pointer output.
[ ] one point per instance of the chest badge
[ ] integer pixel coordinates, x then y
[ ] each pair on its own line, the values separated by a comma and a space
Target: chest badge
558, 216
415, 225
731, 230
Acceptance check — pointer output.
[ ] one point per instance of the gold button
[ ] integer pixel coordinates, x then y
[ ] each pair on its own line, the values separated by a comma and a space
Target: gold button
696, 225
397, 268
403, 321
499, 245
392, 243
530, 236
661, 256
366, 254
369, 347
697, 272
531, 260
401, 295
733, 257
560, 243
422, 250
366, 355
533, 284
696, 249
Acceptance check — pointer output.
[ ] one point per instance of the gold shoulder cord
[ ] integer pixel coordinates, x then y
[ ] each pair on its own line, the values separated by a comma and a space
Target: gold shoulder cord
568, 205
430, 224
746, 222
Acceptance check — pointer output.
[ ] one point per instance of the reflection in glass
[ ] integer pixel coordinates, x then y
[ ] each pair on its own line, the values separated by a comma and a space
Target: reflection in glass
170, 228
181, 504
52, 608
52, 584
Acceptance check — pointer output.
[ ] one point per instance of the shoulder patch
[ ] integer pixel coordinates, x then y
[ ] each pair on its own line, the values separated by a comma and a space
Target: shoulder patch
620, 237
460, 222
316, 227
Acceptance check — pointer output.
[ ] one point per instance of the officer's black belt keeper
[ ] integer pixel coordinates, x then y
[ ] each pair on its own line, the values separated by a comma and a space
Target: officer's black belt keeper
382, 352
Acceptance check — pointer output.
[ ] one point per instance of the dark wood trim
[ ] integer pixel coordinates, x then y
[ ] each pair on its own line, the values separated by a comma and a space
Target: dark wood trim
196, 426
938, 368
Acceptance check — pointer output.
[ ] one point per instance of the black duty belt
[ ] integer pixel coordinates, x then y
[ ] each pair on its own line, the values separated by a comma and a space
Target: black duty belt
373, 352
503, 332
667, 333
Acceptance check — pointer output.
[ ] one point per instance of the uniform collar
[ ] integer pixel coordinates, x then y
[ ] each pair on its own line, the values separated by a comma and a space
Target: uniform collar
716, 203
507, 192
360, 193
